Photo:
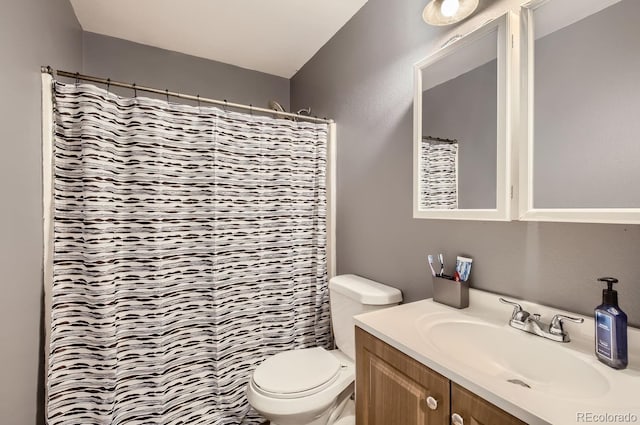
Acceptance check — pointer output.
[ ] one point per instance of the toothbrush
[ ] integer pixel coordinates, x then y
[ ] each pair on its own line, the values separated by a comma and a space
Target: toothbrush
430, 259
441, 259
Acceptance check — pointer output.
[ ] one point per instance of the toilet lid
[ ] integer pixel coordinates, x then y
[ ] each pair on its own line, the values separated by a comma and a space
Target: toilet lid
297, 371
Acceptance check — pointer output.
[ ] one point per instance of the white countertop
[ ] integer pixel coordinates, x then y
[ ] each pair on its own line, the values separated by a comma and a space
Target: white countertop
618, 391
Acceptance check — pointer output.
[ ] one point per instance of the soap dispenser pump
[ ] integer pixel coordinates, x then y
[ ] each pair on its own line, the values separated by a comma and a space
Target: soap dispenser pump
611, 328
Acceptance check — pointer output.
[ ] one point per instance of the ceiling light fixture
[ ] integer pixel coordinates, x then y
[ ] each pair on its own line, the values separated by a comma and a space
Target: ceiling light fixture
449, 7
447, 12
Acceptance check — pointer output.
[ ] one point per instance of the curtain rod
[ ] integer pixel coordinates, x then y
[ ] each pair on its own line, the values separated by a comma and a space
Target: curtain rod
439, 139
135, 87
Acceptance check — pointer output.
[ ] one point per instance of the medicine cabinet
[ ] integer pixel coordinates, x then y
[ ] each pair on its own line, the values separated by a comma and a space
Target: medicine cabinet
465, 104
580, 155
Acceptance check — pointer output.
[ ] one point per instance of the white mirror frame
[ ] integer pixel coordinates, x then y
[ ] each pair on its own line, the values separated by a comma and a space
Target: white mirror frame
508, 28
527, 210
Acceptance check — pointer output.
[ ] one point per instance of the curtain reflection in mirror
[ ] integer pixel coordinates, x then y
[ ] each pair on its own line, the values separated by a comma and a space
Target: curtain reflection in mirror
439, 173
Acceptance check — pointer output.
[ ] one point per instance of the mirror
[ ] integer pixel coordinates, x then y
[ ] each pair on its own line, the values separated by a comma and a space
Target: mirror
463, 124
581, 98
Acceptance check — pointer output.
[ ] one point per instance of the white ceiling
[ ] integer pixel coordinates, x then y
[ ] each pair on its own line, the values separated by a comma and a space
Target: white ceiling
273, 36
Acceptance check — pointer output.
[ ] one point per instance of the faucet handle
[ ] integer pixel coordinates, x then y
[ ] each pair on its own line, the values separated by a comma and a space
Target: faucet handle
556, 323
518, 313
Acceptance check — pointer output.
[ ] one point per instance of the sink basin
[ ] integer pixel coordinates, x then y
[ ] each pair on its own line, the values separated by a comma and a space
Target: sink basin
511, 355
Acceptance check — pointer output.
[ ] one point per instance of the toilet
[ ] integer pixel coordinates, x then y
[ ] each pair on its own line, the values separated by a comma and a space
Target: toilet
313, 386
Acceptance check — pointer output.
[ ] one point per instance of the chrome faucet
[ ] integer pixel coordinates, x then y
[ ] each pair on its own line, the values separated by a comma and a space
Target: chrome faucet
525, 321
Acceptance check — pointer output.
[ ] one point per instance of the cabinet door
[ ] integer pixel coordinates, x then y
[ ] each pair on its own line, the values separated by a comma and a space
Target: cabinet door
394, 389
477, 411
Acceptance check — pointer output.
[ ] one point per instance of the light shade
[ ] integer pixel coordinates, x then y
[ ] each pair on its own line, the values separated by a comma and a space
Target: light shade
447, 12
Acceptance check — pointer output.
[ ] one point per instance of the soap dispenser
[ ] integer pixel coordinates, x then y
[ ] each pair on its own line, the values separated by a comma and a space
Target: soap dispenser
611, 328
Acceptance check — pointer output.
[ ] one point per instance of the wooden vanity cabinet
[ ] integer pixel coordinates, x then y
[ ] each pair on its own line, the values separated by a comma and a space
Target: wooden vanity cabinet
475, 410
394, 389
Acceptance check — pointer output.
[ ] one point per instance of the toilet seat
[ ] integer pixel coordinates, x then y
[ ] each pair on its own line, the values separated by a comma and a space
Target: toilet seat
296, 373
317, 403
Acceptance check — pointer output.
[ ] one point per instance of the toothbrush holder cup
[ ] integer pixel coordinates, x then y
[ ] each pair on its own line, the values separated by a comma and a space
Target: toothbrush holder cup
451, 293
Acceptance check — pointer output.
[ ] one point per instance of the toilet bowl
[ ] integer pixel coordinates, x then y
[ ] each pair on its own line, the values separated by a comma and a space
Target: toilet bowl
314, 386
302, 386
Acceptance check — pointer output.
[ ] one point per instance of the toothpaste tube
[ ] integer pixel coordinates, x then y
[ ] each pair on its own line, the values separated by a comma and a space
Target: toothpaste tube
463, 267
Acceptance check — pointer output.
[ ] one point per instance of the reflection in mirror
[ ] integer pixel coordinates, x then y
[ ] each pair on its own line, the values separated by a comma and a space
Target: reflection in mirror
586, 100
459, 101
439, 173
461, 143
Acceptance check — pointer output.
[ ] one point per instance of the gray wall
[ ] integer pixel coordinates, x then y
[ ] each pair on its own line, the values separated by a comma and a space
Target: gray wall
465, 108
363, 79
587, 98
126, 61
32, 33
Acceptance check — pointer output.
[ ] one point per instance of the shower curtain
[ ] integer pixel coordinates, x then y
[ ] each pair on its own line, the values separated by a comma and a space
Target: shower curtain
189, 243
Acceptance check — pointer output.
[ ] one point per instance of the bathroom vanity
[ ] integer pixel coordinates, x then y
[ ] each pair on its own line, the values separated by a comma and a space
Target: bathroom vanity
427, 363
399, 390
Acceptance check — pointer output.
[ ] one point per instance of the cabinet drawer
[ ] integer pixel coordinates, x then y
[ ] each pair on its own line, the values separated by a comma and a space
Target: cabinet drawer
477, 411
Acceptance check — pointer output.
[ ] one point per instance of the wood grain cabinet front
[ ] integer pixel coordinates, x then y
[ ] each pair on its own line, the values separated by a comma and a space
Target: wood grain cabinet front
394, 389
474, 410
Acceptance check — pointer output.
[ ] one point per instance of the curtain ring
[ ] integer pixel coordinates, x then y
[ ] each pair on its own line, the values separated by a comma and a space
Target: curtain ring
167, 93
198, 102
77, 78
225, 105
108, 84
251, 109
135, 91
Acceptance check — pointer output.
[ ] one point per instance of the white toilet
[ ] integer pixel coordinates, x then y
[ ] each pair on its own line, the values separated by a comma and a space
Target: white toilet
313, 386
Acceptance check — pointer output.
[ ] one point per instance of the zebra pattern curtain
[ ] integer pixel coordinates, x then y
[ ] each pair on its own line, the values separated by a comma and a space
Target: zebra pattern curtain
438, 175
189, 244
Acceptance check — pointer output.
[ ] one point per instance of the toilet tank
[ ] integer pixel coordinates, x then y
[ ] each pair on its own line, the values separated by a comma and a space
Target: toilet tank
350, 295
